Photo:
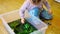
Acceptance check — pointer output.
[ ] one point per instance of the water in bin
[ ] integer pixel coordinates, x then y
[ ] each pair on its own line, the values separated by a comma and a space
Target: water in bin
19, 28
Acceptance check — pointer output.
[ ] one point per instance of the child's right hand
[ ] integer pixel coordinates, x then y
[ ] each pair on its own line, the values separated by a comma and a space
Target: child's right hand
22, 20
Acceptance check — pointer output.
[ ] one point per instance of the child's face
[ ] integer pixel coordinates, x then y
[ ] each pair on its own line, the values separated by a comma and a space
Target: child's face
35, 1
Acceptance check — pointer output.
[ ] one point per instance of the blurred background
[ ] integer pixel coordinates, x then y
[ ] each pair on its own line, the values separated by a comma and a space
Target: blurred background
10, 5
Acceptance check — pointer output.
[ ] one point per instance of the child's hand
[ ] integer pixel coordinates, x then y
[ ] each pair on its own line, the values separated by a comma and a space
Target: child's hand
50, 12
22, 20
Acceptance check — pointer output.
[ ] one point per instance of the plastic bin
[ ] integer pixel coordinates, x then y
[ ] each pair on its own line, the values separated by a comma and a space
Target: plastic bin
12, 16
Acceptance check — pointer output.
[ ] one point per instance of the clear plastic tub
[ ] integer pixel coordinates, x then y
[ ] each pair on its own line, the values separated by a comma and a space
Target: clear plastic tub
40, 26
12, 16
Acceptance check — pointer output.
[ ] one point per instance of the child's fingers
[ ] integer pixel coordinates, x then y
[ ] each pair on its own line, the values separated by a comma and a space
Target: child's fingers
22, 21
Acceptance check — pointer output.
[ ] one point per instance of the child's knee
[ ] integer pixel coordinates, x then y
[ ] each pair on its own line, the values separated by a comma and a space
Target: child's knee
46, 15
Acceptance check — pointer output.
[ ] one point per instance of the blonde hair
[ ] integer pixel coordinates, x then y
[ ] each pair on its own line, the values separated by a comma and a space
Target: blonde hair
35, 1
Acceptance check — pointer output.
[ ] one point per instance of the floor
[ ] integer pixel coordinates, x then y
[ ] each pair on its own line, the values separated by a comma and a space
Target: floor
9, 5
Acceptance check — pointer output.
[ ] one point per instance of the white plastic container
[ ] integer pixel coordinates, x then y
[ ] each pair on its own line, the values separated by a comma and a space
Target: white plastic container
14, 15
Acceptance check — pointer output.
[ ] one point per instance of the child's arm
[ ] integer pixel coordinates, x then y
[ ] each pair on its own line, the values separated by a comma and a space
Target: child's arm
48, 6
22, 10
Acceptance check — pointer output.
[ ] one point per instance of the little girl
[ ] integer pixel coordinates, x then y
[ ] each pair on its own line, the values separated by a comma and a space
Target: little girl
35, 7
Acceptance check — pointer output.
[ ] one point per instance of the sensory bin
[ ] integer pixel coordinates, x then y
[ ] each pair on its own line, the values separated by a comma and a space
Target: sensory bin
20, 28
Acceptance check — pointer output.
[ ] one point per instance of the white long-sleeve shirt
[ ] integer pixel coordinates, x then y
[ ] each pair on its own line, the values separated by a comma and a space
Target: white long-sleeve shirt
28, 5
